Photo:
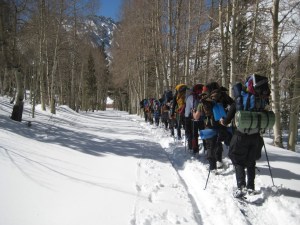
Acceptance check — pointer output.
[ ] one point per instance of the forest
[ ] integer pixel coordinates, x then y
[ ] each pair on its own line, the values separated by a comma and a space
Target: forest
47, 55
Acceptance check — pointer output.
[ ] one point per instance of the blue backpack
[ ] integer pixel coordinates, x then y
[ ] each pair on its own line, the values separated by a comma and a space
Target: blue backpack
253, 95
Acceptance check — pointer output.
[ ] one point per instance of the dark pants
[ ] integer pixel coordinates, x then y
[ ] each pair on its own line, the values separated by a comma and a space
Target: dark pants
241, 176
165, 119
172, 125
189, 131
156, 119
192, 133
180, 124
146, 115
244, 150
214, 152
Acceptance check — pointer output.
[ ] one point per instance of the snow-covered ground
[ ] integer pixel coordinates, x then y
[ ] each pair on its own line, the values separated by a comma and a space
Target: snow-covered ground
112, 168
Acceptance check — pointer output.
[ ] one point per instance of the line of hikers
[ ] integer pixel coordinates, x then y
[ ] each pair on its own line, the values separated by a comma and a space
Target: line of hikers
208, 110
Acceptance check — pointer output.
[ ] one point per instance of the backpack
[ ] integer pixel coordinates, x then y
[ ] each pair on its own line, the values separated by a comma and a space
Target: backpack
194, 94
251, 100
156, 108
167, 97
143, 103
156, 105
181, 90
254, 95
215, 100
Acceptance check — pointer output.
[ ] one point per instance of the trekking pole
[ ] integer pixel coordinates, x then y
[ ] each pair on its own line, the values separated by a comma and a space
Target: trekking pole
193, 133
269, 164
207, 179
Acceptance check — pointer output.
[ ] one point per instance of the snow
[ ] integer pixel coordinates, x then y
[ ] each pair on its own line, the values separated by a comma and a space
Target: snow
109, 100
112, 168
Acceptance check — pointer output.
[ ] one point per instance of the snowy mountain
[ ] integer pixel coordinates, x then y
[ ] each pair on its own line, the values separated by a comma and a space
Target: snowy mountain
100, 30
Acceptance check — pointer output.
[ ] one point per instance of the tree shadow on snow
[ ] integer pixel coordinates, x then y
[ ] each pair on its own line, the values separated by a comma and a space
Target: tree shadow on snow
109, 140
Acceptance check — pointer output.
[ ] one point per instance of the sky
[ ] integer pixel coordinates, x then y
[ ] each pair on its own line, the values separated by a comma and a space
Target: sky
110, 8
112, 168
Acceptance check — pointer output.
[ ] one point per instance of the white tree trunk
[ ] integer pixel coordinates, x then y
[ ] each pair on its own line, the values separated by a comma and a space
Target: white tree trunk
223, 46
295, 105
187, 49
275, 75
233, 50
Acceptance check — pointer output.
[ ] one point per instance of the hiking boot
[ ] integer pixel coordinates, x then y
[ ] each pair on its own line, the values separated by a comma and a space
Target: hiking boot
196, 154
252, 192
240, 192
215, 172
219, 164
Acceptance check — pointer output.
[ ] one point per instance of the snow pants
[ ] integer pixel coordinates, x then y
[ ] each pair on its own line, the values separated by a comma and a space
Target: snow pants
244, 150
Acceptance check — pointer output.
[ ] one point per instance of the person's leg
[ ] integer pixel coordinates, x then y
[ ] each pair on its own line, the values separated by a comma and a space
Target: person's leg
211, 153
195, 136
255, 146
240, 176
251, 176
219, 151
188, 132
241, 183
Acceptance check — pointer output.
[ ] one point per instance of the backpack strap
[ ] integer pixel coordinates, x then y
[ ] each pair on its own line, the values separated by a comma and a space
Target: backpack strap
247, 106
251, 122
268, 119
259, 121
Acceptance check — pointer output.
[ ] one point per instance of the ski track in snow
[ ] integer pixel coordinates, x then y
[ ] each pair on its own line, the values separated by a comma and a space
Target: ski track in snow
151, 188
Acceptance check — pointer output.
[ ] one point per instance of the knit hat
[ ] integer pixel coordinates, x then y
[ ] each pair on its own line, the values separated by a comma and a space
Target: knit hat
197, 89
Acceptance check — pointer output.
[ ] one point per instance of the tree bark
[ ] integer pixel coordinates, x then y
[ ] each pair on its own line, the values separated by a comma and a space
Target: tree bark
187, 49
252, 40
275, 75
42, 37
223, 46
233, 50
295, 105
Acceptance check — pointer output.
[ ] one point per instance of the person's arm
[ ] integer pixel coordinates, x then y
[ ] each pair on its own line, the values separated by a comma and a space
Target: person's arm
174, 104
197, 113
188, 106
229, 116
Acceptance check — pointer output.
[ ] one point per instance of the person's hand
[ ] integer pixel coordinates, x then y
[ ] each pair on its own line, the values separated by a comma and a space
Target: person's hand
221, 121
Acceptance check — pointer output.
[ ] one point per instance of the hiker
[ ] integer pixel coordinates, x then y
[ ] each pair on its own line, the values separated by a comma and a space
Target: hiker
213, 97
242, 151
222, 101
165, 115
179, 107
204, 110
172, 119
165, 108
150, 110
246, 144
156, 112
191, 125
